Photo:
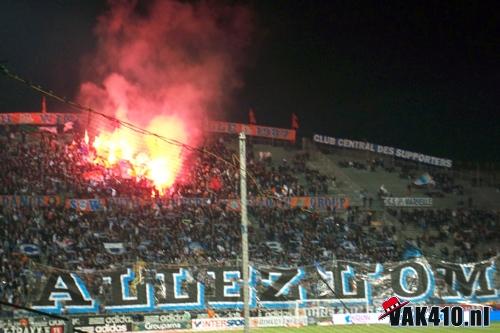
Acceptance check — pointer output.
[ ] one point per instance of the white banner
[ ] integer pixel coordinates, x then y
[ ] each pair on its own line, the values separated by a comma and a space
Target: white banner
358, 318
407, 202
213, 324
216, 324
278, 321
386, 150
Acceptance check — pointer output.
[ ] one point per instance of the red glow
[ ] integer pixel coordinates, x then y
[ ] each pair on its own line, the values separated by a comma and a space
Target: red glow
166, 68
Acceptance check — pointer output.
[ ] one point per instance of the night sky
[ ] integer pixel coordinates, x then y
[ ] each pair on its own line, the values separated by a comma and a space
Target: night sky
422, 75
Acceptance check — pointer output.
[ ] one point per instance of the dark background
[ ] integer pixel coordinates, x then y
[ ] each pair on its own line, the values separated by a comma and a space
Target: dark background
419, 75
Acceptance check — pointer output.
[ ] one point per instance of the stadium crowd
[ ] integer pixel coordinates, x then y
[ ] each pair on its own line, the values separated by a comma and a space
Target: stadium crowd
442, 183
46, 164
465, 235
163, 232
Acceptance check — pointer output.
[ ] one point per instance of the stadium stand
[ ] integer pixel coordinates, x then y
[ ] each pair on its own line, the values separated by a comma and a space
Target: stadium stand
64, 236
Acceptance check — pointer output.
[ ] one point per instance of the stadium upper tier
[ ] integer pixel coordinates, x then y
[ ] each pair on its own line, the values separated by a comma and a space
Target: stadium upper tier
62, 210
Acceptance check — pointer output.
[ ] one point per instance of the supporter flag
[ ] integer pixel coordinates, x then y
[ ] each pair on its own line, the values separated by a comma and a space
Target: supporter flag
124, 169
411, 251
251, 117
424, 179
44, 105
265, 155
66, 243
68, 126
295, 121
347, 203
215, 184
86, 138
327, 280
94, 175
114, 248
233, 205
49, 129
30, 249
196, 247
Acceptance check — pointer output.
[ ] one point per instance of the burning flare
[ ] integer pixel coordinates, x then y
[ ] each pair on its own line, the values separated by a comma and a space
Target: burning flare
165, 66
132, 154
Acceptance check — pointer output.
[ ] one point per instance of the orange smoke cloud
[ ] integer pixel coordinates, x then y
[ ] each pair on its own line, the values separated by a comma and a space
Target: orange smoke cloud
165, 66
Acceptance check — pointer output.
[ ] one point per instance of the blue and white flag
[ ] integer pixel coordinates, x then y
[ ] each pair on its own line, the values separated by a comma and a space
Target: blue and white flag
411, 251
114, 248
30, 249
325, 286
424, 179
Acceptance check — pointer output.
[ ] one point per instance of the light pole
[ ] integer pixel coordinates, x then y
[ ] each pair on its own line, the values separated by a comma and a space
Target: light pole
244, 228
